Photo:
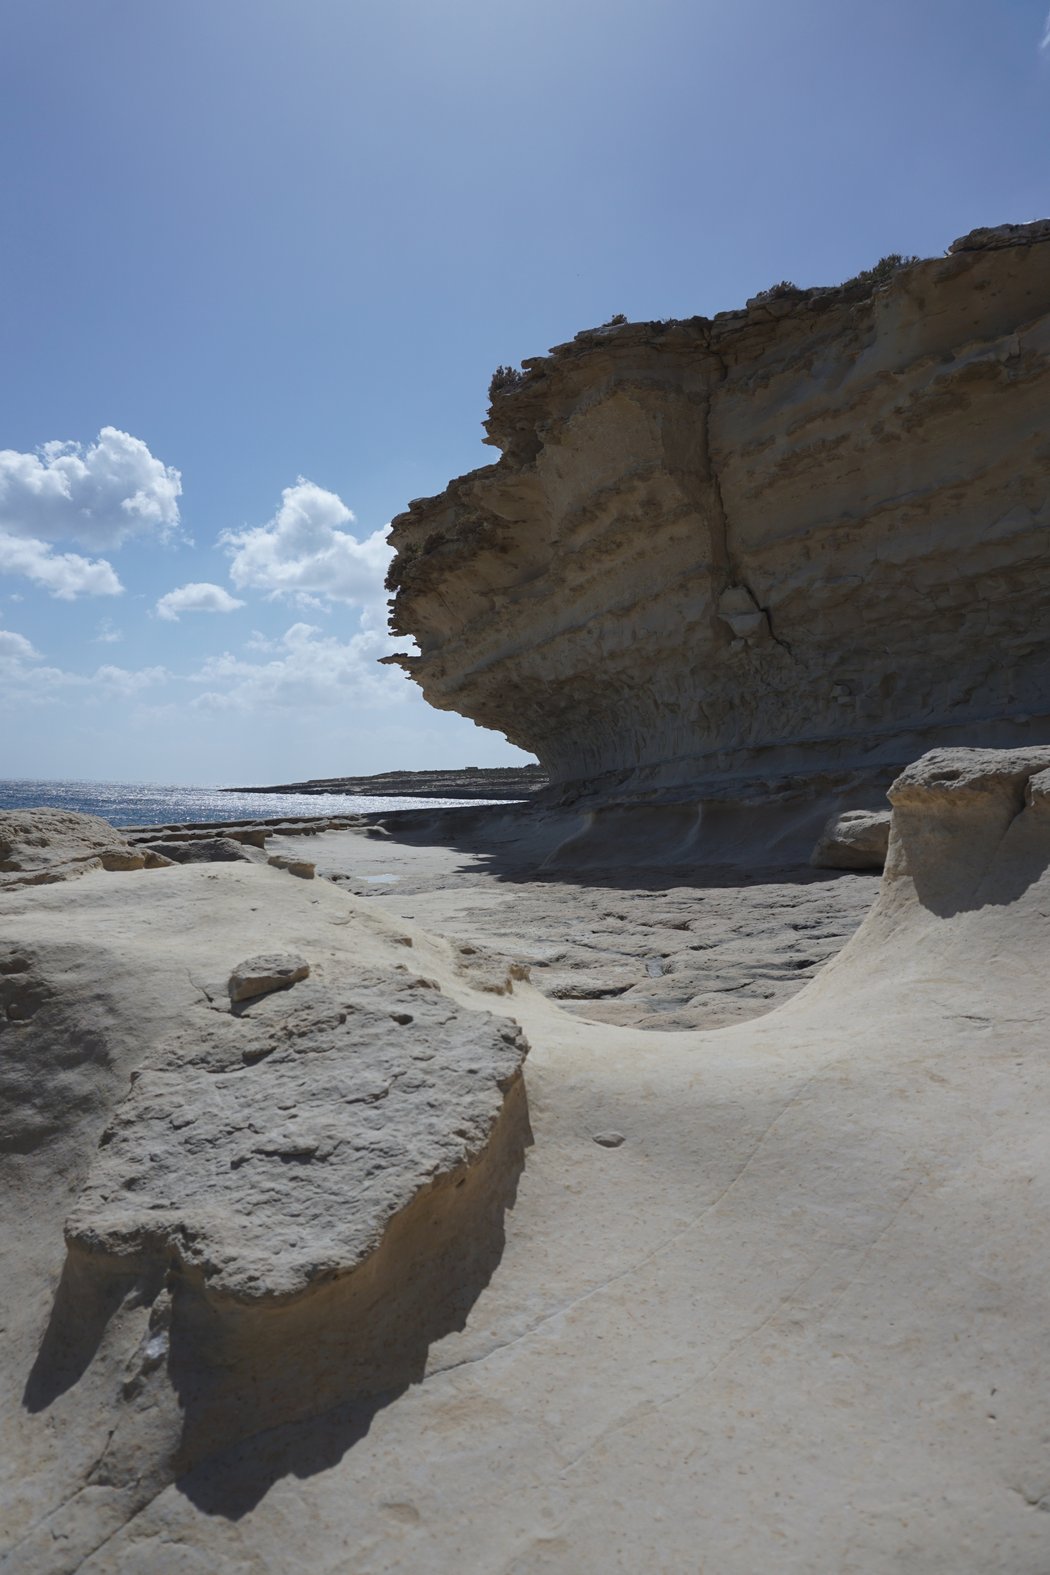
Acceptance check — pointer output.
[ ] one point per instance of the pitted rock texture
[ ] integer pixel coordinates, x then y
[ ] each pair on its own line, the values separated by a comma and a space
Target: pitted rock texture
40, 846
224, 1218
260, 975
268, 1151
806, 536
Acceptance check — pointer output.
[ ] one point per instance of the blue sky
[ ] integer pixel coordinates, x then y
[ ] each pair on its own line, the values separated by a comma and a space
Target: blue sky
260, 258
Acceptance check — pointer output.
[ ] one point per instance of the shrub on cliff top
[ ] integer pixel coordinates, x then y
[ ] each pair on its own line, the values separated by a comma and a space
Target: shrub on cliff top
883, 270
504, 378
777, 291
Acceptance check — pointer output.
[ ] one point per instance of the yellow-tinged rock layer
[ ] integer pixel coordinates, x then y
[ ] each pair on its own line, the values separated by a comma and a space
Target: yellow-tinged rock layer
806, 537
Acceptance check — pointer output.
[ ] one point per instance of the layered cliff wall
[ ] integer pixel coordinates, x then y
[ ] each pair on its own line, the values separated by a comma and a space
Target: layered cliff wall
808, 537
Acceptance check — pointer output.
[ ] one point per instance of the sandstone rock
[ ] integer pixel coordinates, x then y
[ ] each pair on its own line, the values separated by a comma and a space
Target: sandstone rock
157, 861
990, 237
292, 1201
250, 836
260, 975
205, 850
40, 846
301, 867
854, 840
758, 547
796, 1319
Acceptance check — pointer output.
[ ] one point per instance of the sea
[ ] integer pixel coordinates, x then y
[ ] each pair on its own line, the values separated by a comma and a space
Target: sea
159, 803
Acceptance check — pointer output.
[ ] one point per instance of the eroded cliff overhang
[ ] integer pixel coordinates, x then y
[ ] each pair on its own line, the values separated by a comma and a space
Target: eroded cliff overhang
807, 536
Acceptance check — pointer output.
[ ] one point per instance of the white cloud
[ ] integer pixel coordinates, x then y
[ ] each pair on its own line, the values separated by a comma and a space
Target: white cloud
65, 574
97, 495
108, 633
1044, 42
16, 648
25, 677
306, 553
198, 597
308, 668
122, 681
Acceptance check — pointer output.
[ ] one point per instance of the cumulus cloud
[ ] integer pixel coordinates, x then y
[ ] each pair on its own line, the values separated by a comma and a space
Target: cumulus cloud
307, 668
306, 552
197, 597
97, 495
16, 648
122, 680
65, 574
108, 633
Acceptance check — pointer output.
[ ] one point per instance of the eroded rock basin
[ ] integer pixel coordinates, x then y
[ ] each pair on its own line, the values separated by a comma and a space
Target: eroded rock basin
793, 1318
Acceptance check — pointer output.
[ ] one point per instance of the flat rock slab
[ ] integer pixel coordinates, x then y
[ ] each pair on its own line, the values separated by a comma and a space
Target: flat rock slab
261, 975
205, 850
270, 1150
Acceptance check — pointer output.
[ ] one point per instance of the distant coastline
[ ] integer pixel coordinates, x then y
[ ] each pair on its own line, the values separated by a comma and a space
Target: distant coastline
158, 803
469, 782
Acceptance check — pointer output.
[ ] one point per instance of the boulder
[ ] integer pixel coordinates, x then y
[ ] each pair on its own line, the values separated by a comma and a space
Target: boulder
304, 868
261, 975
855, 840
39, 846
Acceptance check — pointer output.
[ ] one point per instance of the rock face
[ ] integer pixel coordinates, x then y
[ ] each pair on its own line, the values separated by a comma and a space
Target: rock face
40, 846
807, 537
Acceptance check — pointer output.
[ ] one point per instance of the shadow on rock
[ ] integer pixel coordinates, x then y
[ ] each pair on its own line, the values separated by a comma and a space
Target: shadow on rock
234, 1481
85, 1301
352, 1339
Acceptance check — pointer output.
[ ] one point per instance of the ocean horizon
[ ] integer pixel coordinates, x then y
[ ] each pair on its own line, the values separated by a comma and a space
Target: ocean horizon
158, 803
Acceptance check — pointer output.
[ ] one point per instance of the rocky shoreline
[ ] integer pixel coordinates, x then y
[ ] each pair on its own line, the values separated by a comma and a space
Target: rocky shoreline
648, 1174
488, 782
290, 1207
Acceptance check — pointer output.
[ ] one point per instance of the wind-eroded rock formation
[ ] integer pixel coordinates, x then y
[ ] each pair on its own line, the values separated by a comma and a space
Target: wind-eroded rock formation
769, 1298
805, 537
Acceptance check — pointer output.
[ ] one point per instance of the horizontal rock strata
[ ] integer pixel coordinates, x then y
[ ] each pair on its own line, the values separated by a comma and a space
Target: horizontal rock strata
805, 537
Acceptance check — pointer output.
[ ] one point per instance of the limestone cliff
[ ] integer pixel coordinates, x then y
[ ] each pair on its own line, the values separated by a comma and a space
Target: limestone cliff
811, 536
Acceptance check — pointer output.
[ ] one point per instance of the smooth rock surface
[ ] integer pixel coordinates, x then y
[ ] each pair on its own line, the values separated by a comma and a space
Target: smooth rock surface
855, 840
795, 1321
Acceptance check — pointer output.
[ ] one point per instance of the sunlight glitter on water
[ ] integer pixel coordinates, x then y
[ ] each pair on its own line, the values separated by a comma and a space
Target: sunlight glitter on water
154, 803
